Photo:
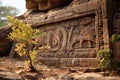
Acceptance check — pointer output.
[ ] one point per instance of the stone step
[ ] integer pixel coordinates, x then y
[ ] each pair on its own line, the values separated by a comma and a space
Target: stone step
70, 62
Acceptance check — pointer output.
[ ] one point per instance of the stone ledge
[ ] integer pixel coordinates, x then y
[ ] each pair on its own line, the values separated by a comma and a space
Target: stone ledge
70, 62
69, 55
63, 14
78, 53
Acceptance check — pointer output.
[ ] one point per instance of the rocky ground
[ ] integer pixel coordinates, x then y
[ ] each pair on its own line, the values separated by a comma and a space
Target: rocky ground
13, 69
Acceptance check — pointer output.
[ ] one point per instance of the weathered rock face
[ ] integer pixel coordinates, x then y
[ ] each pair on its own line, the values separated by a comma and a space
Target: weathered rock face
5, 43
31, 4
46, 4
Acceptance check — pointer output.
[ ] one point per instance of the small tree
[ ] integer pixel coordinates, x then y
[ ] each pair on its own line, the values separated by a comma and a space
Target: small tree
25, 36
105, 59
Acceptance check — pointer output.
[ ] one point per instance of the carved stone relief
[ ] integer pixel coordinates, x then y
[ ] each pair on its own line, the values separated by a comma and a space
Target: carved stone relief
73, 38
84, 36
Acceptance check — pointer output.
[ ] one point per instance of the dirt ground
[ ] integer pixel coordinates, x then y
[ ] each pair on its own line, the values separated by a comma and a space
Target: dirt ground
18, 67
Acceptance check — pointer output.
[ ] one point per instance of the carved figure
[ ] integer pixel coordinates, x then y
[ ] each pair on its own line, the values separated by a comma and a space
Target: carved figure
82, 36
54, 40
87, 35
81, 40
46, 4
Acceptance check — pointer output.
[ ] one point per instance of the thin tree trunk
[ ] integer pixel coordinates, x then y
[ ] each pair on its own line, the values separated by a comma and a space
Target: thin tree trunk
31, 67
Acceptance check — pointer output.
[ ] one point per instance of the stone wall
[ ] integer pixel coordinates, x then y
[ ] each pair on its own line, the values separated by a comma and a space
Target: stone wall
74, 38
77, 32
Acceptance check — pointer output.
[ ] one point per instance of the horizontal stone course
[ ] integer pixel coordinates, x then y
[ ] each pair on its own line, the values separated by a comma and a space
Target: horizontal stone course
75, 54
70, 62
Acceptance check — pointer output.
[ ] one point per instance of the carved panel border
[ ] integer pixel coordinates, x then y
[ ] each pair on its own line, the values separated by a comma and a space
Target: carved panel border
75, 35
75, 38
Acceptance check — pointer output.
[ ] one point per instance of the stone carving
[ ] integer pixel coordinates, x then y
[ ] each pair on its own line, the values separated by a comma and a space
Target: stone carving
84, 41
84, 53
57, 38
75, 33
85, 36
73, 38
72, 33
